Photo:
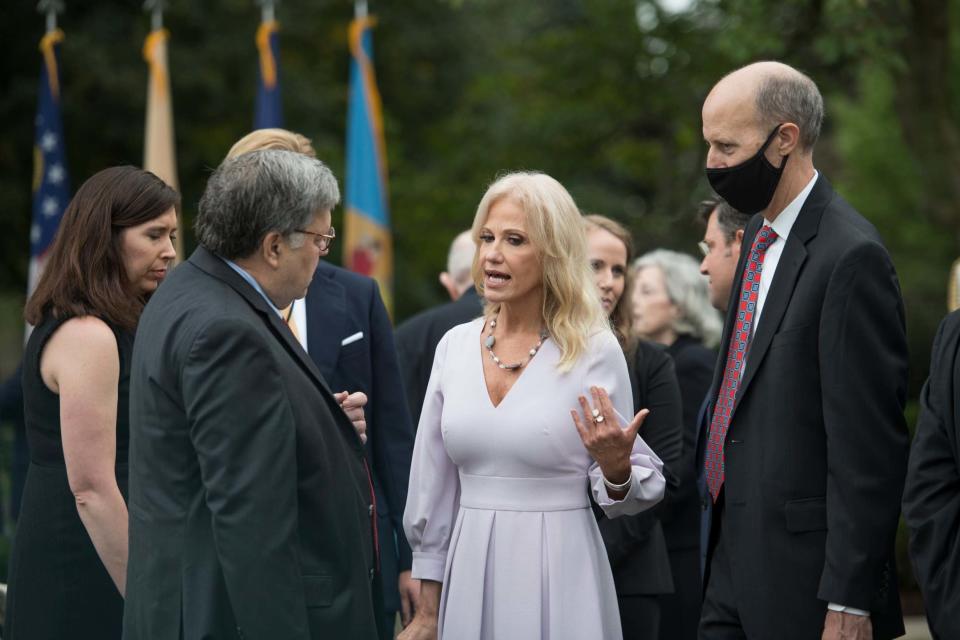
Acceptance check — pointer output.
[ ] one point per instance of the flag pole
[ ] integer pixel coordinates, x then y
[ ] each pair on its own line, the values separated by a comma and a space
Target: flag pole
155, 7
51, 8
266, 10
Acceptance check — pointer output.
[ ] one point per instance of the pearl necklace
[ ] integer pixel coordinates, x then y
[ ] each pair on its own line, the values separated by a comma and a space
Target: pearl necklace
491, 340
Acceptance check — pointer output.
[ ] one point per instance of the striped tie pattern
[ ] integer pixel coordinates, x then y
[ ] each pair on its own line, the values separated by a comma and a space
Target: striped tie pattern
736, 359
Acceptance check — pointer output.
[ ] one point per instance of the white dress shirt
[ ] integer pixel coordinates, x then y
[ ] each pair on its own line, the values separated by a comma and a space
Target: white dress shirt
300, 318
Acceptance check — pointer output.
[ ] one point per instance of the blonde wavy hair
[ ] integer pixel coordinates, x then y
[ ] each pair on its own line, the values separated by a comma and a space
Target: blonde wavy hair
571, 307
272, 139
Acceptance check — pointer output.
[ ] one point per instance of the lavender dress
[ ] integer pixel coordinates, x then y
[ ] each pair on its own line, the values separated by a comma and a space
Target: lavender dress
498, 508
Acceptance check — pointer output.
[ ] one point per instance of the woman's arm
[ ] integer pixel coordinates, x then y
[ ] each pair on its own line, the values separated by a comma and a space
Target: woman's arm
82, 364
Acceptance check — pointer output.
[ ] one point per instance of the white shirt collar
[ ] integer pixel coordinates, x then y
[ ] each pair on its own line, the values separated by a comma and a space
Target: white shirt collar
788, 216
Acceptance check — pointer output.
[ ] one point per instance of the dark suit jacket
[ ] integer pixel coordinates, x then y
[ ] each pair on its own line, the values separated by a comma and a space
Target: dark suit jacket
635, 544
931, 500
340, 304
681, 515
417, 340
817, 446
249, 500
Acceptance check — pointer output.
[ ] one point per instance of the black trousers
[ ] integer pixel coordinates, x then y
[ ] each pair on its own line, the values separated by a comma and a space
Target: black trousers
680, 610
640, 617
719, 618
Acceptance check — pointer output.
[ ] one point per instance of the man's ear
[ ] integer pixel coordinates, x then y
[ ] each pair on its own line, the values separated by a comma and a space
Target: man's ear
447, 281
788, 139
737, 241
270, 248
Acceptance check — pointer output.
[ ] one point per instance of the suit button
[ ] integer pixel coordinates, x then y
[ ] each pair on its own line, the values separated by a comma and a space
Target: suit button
370, 510
371, 575
703, 504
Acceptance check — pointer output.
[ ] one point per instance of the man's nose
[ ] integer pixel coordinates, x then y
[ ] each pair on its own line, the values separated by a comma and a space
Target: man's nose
715, 160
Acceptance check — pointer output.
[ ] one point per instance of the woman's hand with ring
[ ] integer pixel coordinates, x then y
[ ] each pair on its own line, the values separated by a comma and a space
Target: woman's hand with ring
608, 444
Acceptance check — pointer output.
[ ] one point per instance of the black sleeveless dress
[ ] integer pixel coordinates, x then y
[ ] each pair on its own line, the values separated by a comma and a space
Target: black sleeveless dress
58, 587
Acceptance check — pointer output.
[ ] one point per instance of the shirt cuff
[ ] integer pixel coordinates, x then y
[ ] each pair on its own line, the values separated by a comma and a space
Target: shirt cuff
428, 566
842, 609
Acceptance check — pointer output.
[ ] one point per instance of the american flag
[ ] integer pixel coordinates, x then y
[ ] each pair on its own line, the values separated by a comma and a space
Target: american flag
51, 182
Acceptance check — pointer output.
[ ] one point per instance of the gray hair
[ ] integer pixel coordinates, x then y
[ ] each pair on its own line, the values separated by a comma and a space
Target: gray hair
687, 289
728, 219
253, 194
460, 258
791, 96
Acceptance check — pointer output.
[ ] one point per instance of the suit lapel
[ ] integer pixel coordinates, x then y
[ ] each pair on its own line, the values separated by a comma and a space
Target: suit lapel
784, 281
216, 267
781, 290
326, 318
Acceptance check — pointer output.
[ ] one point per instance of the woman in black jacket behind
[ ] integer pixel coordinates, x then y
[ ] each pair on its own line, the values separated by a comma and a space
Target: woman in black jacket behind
635, 544
671, 306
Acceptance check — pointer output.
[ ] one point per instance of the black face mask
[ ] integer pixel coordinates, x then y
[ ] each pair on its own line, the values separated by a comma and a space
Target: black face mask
749, 186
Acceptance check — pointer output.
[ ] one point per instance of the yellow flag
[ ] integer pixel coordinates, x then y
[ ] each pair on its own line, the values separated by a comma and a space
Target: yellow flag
159, 155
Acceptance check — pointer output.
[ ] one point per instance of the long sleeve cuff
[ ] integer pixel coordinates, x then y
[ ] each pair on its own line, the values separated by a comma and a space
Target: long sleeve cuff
647, 486
833, 606
428, 566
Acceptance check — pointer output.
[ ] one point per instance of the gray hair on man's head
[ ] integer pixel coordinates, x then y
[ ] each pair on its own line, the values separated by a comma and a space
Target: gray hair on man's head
460, 258
687, 289
253, 194
791, 96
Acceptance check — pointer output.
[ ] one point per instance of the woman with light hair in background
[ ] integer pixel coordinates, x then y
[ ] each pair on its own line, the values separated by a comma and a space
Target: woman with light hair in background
524, 419
671, 305
635, 544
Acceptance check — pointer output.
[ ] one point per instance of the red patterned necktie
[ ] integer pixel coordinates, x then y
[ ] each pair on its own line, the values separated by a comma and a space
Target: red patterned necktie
736, 358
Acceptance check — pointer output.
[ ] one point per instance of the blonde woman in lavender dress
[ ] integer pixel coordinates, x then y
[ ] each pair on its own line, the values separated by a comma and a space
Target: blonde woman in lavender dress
528, 412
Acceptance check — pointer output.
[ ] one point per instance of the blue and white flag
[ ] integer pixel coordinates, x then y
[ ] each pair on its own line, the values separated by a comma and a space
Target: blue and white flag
51, 181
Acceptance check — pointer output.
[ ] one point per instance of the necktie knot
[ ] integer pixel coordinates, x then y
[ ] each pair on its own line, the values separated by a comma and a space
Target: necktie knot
765, 237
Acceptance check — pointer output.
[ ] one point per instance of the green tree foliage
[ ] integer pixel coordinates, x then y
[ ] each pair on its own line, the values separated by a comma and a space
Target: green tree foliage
603, 95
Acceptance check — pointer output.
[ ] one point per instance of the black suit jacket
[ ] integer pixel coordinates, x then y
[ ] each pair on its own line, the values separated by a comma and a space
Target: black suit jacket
249, 501
339, 305
817, 446
681, 514
931, 500
635, 544
417, 340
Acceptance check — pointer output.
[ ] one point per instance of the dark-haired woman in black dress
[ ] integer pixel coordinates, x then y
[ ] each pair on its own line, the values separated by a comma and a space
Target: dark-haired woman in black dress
69, 559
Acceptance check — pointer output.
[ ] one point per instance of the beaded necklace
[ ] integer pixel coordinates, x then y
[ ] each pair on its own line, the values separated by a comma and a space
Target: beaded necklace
491, 340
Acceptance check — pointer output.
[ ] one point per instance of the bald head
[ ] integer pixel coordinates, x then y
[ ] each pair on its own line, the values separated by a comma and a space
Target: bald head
764, 95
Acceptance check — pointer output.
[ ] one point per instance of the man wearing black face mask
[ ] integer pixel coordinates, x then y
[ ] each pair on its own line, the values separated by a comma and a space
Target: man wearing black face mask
803, 447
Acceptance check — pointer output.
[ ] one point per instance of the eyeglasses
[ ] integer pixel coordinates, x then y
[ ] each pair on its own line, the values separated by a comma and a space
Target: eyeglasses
322, 240
704, 249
